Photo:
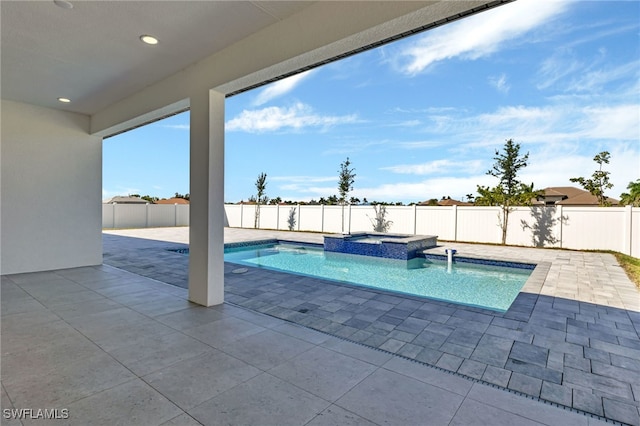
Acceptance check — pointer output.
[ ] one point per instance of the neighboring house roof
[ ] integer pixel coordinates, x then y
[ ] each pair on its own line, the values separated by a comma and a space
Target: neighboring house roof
172, 200
125, 200
452, 202
446, 202
571, 196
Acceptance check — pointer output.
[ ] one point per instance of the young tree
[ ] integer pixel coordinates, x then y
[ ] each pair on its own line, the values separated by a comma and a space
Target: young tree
633, 196
510, 191
261, 198
599, 181
291, 220
346, 177
380, 222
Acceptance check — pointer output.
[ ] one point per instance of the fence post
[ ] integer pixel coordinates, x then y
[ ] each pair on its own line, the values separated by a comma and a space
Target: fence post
321, 217
241, 213
175, 214
277, 217
454, 213
146, 215
299, 215
349, 224
114, 215
415, 219
628, 235
561, 224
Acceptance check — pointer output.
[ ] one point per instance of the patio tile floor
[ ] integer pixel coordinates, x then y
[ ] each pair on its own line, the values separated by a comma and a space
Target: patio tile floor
172, 362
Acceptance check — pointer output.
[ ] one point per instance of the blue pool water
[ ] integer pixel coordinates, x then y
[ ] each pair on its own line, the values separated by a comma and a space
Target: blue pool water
491, 287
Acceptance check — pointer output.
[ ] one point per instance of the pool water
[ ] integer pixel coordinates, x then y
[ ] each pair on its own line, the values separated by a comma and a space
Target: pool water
491, 287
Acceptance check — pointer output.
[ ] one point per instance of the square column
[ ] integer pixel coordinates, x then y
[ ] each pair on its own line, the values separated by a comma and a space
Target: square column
206, 212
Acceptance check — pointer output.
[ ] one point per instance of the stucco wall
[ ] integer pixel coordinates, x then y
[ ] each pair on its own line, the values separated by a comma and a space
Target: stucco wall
50, 205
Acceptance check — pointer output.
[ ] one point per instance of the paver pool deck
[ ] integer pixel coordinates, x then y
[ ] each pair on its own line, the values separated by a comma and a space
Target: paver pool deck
114, 343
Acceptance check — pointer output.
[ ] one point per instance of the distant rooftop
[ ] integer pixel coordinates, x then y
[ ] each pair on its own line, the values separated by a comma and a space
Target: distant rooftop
172, 200
125, 200
570, 196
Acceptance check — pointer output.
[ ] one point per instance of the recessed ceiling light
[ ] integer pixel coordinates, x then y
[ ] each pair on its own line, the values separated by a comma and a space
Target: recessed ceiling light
64, 100
63, 4
148, 39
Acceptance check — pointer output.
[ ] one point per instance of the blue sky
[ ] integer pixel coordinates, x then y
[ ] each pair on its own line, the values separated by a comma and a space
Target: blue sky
421, 118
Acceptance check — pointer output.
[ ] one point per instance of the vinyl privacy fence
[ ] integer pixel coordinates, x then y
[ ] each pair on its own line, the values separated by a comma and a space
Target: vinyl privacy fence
582, 228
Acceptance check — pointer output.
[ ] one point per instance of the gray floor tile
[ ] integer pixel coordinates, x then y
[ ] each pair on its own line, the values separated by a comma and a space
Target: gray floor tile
190, 318
386, 397
357, 351
335, 415
263, 400
151, 353
323, 372
182, 420
430, 375
473, 413
301, 333
266, 349
190, 382
224, 331
61, 386
132, 403
524, 407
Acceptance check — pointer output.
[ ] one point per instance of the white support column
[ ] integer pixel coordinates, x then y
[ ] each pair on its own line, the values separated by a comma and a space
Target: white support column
206, 214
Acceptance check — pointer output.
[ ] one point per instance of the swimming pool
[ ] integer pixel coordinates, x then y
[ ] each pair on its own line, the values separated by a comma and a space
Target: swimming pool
487, 286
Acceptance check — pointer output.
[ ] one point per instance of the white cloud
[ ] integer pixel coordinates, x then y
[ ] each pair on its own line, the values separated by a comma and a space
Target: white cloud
621, 122
301, 183
420, 144
555, 123
454, 187
303, 178
555, 68
176, 126
280, 88
272, 119
500, 83
594, 80
479, 35
437, 166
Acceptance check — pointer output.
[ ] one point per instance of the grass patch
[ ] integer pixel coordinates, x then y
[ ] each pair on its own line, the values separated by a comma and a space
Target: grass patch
631, 266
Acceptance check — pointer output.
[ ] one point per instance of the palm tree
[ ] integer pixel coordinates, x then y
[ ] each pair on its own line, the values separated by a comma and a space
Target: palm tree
633, 196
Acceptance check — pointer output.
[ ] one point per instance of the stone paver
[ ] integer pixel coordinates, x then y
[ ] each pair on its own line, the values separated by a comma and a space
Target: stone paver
569, 341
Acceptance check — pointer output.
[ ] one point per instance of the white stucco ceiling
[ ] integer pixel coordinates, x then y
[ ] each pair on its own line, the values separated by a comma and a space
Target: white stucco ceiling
92, 54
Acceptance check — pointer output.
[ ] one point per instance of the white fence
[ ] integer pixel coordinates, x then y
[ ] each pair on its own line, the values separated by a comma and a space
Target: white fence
144, 215
591, 228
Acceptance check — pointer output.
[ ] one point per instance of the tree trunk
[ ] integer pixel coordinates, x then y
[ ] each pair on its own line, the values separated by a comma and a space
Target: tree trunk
505, 222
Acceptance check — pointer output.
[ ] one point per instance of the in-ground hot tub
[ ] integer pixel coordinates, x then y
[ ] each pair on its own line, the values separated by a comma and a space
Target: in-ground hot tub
390, 246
